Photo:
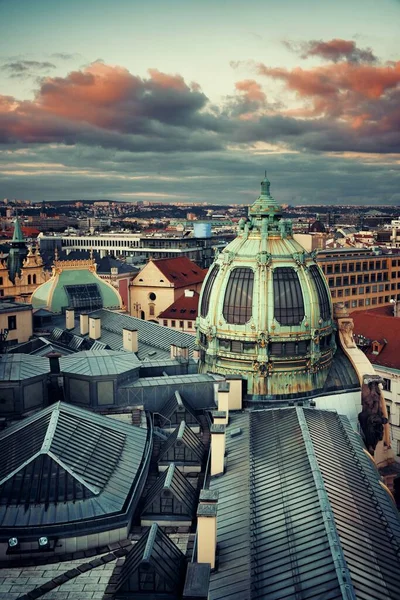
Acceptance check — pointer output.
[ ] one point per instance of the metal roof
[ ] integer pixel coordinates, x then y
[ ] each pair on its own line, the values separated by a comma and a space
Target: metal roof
15, 367
183, 435
98, 363
154, 551
302, 513
67, 464
178, 404
154, 340
172, 480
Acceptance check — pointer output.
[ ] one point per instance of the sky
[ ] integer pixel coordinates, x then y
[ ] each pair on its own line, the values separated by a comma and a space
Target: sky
191, 101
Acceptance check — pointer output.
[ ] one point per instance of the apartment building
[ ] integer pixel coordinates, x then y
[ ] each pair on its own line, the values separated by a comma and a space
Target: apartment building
360, 277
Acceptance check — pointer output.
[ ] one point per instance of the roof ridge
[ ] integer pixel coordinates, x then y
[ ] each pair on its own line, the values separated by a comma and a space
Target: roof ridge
51, 428
92, 488
20, 467
335, 544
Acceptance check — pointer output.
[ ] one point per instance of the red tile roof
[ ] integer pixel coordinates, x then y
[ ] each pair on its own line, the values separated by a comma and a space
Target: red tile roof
378, 325
184, 308
180, 271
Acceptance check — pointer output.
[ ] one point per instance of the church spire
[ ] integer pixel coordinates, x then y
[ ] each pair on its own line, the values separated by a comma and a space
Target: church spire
18, 237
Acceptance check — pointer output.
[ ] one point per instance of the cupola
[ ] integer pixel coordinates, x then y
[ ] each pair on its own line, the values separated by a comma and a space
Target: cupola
265, 309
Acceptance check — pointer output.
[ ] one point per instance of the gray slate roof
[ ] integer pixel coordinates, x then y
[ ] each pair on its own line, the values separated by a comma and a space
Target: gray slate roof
15, 367
302, 513
66, 464
97, 363
154, 340
177, 485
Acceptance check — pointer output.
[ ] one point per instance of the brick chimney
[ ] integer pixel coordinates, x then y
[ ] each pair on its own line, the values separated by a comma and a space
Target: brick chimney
207, 533
217, 449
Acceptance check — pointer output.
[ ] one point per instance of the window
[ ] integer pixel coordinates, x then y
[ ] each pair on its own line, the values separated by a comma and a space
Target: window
34, 278
344, 268
84, 296
151, 310
238, 298
338, 281
173, 323
165, 322
12, 322
181, 324
205, 300
189, 324
288, 297
152, 296
225, 345
387, 384
29, 279
236, 346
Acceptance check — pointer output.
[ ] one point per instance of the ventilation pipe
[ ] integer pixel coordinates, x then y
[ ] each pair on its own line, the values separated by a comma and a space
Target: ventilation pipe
223, 399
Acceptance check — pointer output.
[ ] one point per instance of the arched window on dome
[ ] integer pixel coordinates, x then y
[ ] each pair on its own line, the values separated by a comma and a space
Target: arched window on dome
288, 297
238, 299
205, 300
323, 297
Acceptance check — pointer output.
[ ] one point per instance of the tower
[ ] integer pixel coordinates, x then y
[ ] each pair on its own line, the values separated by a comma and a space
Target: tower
18, 252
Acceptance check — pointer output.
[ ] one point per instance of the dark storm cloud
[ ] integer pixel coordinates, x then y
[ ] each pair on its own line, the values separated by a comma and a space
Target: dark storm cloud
335, 50
26, 68
162, 132
65, 55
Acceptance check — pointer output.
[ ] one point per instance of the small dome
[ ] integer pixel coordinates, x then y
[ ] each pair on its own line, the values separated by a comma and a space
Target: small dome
317, 227
265, 308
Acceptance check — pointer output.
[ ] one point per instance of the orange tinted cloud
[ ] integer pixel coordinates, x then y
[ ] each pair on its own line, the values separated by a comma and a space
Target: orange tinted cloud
251, 90
337, 50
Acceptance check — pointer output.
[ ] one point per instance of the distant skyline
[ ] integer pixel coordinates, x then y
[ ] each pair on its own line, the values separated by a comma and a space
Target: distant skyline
190, 101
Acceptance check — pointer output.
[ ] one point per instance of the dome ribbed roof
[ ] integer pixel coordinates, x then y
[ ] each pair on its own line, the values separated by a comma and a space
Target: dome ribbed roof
265, 306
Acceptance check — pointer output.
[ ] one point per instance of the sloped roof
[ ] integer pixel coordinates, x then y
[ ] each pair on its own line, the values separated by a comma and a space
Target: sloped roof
81, 464
99, 363
15, 367
157, 551
105, 264
177, 403
378, 326
185, 307
154, 340
181, 271
183, 434
172, 480
302, 512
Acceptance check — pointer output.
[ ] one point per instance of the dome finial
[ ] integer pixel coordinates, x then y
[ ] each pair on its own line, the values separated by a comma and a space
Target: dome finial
265, 185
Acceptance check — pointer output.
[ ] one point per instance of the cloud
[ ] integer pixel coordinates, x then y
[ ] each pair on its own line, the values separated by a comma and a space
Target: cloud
335, 50
22, 69
65, 55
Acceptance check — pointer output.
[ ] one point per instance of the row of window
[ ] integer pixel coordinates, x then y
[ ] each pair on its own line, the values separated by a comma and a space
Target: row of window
181, 324
372, 265
374, 289
294, 348
368, 301
353, 280
288, 295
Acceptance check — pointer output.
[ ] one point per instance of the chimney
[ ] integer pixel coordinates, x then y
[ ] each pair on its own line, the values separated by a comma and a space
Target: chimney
184, 353
207, 533
235, 383
197, 581
217, 449
94, 328
220, 417
54, 359
189, 293
223, 399
196, 354
69, 318
173, 351
84, 323
130, 340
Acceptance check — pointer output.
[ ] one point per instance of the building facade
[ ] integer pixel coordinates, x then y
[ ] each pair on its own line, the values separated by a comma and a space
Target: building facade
361, 278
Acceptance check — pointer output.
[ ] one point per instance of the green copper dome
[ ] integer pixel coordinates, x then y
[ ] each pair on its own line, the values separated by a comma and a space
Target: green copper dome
265, 309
